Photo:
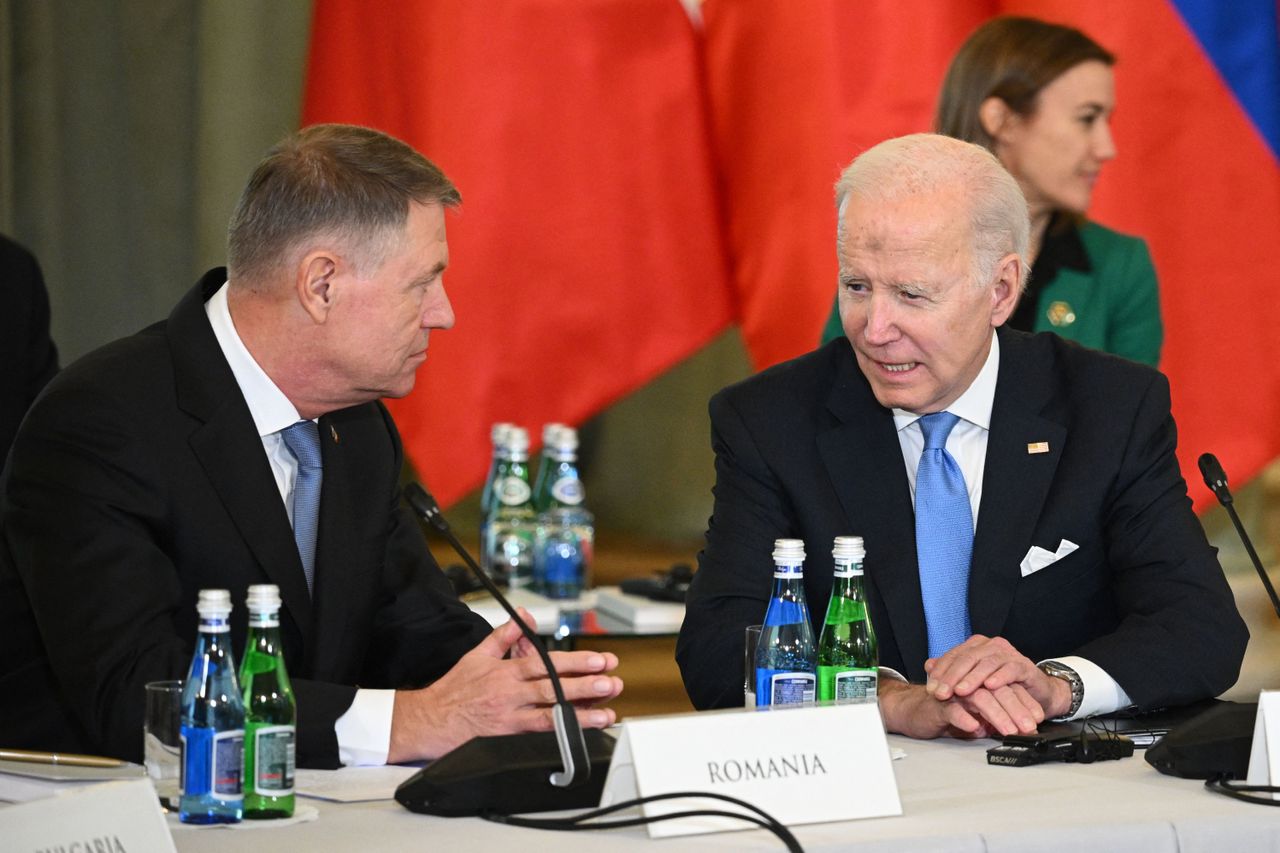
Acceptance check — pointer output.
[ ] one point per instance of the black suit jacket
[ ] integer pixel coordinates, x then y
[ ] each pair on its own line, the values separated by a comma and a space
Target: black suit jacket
804, 450
27, 353
139, 479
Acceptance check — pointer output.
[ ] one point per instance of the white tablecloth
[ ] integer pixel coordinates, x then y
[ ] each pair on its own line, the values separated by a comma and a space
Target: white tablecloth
952, 801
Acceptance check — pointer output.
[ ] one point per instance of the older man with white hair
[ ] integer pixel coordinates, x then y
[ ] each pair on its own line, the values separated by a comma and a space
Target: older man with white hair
1031, 550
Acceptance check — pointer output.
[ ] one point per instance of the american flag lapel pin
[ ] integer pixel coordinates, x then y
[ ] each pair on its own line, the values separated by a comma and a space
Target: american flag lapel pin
1035, 447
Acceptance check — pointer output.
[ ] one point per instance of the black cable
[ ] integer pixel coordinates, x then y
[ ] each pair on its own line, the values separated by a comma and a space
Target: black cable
1238, 791
578, 822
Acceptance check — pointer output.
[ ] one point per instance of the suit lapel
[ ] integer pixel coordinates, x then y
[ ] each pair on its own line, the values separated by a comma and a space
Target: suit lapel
1015, 480
864, 460
230, 451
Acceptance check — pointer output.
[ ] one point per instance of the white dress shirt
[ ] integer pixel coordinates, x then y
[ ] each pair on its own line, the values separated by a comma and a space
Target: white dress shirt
364, 731
967, 443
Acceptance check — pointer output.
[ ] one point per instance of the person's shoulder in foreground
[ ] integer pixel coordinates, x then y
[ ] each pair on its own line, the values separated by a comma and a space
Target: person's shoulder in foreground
26, 349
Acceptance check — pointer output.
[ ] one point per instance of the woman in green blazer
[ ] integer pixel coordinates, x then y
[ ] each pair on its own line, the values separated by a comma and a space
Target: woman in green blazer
1039, 96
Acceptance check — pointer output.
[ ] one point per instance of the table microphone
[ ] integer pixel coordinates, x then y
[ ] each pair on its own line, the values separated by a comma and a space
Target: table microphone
1216, 479
508, 773
1218, 743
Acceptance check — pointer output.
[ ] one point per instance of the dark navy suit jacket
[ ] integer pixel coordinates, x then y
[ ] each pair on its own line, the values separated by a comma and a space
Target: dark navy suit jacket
804, 450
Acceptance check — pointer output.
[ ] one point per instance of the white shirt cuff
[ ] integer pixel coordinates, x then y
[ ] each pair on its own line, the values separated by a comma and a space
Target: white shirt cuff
1102, 695
364, 731
892, 674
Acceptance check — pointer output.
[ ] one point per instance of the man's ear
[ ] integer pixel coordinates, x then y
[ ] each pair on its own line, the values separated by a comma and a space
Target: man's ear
1007, 288
314, 283
995, 117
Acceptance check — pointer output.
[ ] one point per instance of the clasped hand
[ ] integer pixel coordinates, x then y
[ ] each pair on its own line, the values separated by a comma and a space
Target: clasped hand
490, 693
981, 688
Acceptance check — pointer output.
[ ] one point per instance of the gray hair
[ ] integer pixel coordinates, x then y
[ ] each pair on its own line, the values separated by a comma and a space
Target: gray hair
350, 183
925, 163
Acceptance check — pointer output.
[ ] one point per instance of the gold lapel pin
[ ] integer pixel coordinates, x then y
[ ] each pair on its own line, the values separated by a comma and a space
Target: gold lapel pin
333, 431
1038, 447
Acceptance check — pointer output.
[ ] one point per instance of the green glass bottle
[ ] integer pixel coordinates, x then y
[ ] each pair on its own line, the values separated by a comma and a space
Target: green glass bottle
510, 534
554, 435
270, 712
848, 659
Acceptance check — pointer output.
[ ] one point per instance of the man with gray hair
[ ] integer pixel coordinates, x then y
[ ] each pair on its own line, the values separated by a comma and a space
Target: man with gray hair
1031, 550
242, 442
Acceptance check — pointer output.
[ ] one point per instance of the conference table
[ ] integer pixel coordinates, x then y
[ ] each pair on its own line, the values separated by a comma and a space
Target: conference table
952, 800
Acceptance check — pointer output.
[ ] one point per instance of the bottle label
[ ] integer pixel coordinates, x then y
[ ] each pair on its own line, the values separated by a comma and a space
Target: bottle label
854, 685
274, 760
212, 763
791, 688
269, 619
848, 570
796, 571
568, 491
514, 491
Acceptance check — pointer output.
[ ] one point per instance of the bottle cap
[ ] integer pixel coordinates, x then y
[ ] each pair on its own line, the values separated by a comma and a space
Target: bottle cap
848, 549
213, 602
549, 432
788, 552
518, 440
263, 598
565, 440
498, 433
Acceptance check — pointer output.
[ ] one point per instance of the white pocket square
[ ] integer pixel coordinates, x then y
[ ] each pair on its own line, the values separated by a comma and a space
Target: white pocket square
1037, 558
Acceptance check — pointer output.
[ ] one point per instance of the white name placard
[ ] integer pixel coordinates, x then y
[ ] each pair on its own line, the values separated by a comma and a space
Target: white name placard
804, 764
1264, 759
112, 817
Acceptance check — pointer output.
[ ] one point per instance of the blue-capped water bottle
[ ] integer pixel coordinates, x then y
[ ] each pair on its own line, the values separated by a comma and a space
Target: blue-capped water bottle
787, 653
212, 731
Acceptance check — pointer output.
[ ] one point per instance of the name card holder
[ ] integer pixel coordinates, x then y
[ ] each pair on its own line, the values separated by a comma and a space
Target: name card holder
801, 764
1264, 760
113, 816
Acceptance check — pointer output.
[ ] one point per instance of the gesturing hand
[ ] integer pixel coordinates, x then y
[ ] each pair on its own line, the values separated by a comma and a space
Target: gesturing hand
487, 693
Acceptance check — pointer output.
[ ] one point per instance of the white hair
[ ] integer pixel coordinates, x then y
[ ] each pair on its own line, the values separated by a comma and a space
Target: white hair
928, 163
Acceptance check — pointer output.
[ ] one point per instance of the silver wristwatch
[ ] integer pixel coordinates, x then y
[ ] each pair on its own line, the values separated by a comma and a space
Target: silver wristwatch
1053, 669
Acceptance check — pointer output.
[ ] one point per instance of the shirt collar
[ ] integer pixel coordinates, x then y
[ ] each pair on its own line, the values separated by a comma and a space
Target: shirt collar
975, 404
270, 408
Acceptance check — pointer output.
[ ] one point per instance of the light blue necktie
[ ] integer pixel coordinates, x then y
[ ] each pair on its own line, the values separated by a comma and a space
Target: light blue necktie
944, 537
303, 441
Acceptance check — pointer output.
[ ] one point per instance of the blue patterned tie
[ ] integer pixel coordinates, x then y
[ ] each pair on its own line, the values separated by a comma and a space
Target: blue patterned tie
303, 441
944, 537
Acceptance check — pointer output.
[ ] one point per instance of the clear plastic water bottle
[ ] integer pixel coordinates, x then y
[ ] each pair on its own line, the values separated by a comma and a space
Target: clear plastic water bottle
511, 525
270, 712
212, 731
848, 658
498, 464
787, 653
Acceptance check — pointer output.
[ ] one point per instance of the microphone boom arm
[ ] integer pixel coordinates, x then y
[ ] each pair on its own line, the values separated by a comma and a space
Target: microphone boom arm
573, 747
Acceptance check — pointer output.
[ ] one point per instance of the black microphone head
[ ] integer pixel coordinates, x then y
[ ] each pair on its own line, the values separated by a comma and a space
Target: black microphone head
1215, 478
421, 501
1212, 471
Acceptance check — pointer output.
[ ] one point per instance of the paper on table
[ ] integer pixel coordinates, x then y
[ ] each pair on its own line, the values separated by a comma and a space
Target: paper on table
352, 784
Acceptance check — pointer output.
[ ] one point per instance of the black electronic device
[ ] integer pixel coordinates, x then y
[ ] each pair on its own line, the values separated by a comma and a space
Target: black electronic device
1216, 744
1081, 747
671, 585
508, 774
